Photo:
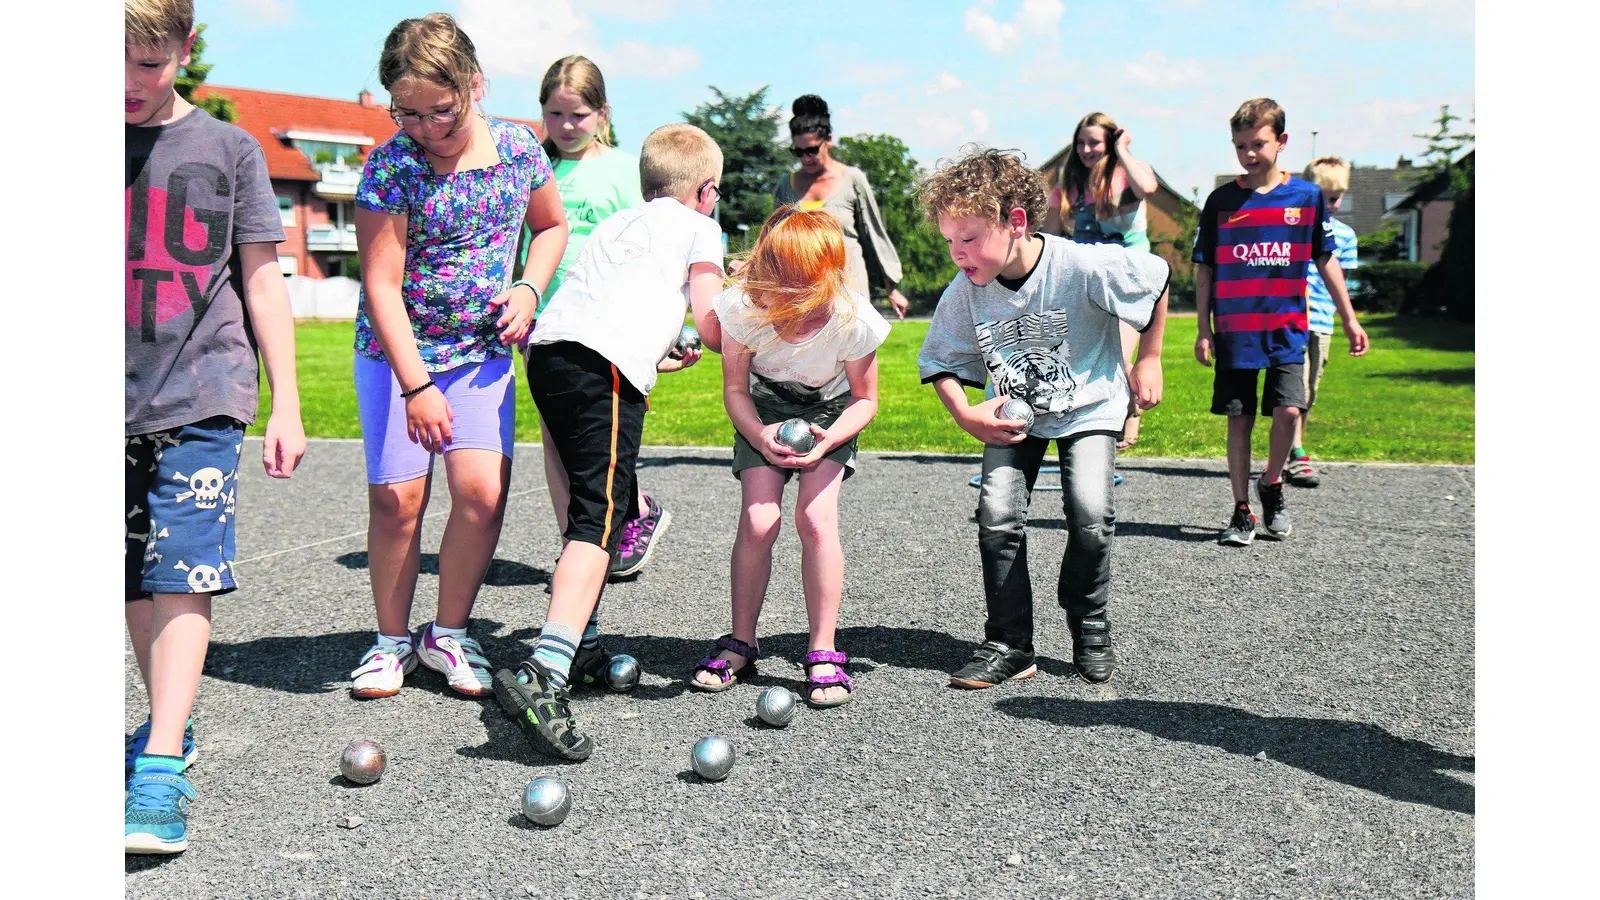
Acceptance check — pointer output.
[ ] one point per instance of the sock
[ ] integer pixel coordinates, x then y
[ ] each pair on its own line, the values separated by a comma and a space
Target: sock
557, 644
400, 645
440, 631
1297, 453
591, 631
150, 762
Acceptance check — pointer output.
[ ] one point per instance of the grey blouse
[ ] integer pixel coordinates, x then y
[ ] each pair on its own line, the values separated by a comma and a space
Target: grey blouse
867, 243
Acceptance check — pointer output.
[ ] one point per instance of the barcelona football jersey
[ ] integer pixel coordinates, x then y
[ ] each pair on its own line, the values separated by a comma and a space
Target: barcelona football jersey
1258, 246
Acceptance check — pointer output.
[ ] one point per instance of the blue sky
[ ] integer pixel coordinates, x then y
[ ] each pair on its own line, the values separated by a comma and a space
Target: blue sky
1365, 74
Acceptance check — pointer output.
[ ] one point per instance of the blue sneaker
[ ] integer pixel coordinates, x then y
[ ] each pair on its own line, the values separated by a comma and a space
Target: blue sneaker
157, 812
141, 736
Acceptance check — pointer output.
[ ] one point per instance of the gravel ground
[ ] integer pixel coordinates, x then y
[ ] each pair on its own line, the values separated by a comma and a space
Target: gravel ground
1288, 720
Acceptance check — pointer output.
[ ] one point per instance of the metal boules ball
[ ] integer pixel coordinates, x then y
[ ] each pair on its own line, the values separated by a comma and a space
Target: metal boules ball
546, 801
1017, 409
776, 706
712, 757
796, 435
623, 673
362, 762
688, 339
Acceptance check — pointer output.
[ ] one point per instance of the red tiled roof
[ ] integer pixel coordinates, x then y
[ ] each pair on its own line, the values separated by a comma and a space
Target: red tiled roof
267, 115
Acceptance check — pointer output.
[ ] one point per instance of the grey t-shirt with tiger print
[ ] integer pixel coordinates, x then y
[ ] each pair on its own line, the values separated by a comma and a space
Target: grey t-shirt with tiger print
1055, 340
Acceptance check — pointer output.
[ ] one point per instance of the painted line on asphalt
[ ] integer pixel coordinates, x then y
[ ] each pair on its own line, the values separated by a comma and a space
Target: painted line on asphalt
346, 537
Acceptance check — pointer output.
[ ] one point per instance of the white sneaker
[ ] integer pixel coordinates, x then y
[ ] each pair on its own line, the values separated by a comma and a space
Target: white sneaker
459, 660
381, 672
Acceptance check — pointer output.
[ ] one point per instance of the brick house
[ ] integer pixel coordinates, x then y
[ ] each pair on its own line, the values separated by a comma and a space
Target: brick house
315, 148
1423, 216
1162, 211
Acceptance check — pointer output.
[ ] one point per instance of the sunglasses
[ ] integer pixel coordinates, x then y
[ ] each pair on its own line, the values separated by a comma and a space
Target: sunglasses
799, 152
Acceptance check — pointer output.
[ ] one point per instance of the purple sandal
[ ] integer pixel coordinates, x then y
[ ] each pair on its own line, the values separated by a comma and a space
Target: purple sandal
722, 668
813, 682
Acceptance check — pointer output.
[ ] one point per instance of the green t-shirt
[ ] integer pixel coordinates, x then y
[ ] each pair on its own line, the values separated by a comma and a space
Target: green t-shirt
591, 189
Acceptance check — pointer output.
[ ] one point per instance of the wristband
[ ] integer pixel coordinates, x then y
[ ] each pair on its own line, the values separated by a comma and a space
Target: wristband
537, 297
407, 395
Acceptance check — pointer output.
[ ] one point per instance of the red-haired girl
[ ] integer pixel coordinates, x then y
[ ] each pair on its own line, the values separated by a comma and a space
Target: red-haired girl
797, 343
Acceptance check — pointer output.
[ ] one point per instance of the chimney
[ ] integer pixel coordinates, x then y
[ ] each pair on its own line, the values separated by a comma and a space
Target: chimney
1402, 163
365, 99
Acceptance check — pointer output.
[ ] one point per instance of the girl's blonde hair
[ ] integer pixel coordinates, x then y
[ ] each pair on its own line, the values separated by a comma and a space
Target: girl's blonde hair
581, 76
797, 267
1094, 183
434, 49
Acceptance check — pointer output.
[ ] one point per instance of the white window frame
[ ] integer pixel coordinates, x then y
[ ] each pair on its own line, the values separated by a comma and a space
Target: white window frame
286, 215
289, 264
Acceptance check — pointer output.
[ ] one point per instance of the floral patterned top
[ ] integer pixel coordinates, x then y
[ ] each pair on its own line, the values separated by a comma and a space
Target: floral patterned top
461, 237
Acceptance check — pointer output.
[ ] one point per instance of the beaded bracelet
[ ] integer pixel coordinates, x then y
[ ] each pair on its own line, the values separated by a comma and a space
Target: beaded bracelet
407, 395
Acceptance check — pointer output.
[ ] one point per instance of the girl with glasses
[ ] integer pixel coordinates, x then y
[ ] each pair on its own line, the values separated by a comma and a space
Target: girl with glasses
823, 182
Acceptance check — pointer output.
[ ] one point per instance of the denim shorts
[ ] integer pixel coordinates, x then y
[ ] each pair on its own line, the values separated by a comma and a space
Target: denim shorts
181, 486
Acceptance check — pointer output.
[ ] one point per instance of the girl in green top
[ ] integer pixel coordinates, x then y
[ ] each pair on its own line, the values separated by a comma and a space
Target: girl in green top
595, 179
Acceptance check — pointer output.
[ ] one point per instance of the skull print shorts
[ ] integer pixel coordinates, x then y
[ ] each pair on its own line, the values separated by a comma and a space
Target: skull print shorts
181, 486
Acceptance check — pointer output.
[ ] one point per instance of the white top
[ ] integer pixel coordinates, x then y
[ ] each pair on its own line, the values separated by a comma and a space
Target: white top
816, 362
626, 294
1054, 341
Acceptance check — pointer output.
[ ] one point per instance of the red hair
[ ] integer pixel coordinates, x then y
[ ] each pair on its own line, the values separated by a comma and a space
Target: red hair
796, 268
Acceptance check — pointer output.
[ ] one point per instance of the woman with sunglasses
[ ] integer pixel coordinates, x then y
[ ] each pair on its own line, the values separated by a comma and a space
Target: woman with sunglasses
823, 182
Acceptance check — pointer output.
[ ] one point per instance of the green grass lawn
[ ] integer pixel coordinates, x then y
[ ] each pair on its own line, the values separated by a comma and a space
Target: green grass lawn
1408, 400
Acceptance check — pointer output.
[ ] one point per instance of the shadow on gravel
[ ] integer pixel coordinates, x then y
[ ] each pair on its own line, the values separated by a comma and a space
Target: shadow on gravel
1194, 534
142, 862
658, 462
1354, 753
502, 572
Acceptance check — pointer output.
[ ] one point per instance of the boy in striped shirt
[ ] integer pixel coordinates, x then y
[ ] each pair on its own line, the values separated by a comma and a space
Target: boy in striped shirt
1257, 233
1332, 175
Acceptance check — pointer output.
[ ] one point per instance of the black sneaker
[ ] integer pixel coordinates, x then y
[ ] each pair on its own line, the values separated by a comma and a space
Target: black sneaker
541, 711
589, 665
1091, 650
993, 663
1274, 515
1241, 528
639, 539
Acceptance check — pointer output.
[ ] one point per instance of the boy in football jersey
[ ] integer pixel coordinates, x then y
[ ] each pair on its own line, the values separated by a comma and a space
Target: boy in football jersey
1256, 234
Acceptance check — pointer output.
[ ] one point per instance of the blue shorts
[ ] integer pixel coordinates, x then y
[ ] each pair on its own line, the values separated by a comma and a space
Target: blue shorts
181, 487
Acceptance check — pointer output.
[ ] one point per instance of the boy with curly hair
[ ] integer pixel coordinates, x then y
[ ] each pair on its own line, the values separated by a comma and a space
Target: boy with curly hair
1036, 318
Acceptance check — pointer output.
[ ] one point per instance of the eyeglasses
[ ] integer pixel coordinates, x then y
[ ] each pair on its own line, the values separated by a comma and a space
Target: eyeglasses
411, 119
799, 152
709, 184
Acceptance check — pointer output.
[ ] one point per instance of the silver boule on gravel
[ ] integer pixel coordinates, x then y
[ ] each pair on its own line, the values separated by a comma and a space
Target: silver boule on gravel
623, 673
546, 801
776, 706
1017, 409
688, 339
712, 757
362, 762
796, 435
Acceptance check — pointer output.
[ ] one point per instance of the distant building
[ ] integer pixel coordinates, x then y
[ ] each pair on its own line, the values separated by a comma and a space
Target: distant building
315, 148
1423, 215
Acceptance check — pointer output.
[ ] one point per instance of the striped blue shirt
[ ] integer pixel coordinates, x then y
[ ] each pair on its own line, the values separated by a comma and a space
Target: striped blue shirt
1319, 304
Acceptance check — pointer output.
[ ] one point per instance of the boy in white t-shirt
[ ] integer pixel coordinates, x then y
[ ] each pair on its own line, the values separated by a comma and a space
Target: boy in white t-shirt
592, 360
797, 343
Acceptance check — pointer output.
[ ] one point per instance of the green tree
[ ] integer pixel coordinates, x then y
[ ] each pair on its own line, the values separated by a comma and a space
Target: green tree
747, 131
194, 74
893, 174
1444, 143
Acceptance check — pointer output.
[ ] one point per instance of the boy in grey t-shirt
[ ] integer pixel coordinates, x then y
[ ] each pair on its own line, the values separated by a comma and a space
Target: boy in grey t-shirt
1036, 317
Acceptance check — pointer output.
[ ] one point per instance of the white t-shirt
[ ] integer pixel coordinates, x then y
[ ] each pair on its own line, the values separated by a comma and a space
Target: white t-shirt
1055, 341
625, 295
813, 365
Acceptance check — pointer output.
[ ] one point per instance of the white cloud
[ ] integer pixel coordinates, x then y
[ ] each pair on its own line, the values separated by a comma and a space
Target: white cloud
1033, 19
644, 10
636, 58
267, 12
865, 74
980, 121
1153, 69
945, 82
521, 40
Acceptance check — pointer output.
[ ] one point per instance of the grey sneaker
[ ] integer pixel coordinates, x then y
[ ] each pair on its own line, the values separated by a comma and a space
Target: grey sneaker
1274, 515
1241, 528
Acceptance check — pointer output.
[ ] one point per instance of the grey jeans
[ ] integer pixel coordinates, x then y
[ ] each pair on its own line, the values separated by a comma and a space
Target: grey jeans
1084, 587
